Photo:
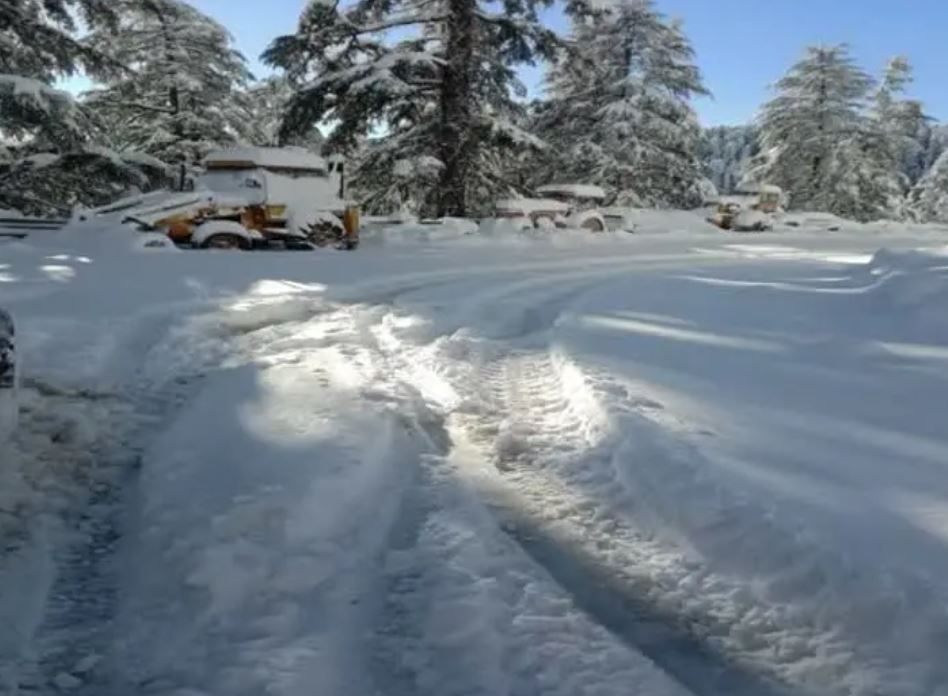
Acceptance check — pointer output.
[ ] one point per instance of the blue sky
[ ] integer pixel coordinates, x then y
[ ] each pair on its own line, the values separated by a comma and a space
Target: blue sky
743, 46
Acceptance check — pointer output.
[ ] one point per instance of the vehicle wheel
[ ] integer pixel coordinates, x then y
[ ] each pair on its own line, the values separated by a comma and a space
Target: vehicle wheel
593, 225
324, 232
298, 245
544, 223
223, 240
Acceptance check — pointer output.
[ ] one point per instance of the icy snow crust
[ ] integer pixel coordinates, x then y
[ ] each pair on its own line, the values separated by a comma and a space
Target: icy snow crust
676, 462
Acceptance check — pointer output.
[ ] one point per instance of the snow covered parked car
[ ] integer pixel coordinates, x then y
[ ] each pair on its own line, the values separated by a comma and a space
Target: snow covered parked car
558, 205
8, 377
749, 210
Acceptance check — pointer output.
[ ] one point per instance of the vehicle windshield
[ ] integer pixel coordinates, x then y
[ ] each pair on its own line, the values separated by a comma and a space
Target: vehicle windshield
243, 181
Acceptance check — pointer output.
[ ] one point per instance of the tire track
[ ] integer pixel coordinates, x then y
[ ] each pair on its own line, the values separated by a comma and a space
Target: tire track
540, 432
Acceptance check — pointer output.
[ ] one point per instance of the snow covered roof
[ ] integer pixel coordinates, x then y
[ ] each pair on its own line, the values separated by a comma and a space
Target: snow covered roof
574, 190
266, 157
528, 206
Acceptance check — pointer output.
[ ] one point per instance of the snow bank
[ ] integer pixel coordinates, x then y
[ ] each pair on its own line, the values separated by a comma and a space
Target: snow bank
649, 221
411, 232
913, 285
265, 507
55, 475
754, 424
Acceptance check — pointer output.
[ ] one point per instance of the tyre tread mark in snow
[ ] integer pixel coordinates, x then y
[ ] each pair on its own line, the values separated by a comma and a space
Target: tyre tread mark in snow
75, 638
523, 387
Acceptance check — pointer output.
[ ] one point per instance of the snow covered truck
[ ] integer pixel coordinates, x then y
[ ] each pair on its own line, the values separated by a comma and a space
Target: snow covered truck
750, 210
251, 197
561, 206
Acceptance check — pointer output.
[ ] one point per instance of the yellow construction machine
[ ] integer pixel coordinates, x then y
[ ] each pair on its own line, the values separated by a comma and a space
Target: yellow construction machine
748, 211
254, 197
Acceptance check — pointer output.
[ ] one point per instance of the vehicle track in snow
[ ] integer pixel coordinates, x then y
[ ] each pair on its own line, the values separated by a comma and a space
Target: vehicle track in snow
507, 388
546, 451
467, 611
74, 641
541, 454
567, 458
512, 567
84, 446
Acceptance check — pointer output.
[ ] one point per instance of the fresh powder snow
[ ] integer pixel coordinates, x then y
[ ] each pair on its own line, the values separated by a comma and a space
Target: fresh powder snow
673, 463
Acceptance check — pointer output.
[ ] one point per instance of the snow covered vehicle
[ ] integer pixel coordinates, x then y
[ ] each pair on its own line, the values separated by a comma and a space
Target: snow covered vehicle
748, 211
8, 377
558, 205
252, 197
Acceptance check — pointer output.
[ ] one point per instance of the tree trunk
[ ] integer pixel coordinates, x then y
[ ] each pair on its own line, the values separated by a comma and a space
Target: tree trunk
456, 137
816, 182
174, 95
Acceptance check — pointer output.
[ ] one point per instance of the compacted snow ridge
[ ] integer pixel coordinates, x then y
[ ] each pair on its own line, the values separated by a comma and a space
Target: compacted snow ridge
672, 463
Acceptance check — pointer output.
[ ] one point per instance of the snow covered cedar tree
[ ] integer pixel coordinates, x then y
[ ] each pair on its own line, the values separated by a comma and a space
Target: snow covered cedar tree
266, 103
37, 37
439, 97
47, 160
933, 140
726, 153
618, 111
901, 121
37, 46
819, 106
929, 199
182, 96
836, 146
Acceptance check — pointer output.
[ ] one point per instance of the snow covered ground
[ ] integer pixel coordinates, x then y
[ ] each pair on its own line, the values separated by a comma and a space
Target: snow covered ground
677, 462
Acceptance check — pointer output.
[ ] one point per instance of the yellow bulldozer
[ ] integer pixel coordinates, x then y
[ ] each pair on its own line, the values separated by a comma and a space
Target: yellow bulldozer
250, 197
748, 211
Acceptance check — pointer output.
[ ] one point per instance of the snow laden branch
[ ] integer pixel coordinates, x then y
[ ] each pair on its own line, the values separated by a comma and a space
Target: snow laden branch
619, 114
187, 94
28, 105
838, 142
445, 93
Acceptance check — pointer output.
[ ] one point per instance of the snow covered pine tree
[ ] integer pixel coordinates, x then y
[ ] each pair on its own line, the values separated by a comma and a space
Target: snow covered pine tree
903, 122
438, 97
183, 96
929, 199
726, 153
46, 164
618, 111
266, 103
819, 104
867, 169
832, 144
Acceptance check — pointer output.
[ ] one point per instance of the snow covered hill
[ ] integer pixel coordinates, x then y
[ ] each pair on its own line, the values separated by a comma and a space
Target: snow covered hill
663, 464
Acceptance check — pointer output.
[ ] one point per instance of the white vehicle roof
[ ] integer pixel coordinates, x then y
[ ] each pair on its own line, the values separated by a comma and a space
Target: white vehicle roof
287, 158
752, 189
574, 190
527, 206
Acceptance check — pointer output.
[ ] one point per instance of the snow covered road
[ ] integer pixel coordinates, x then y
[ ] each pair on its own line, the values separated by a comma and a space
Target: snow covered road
665, 465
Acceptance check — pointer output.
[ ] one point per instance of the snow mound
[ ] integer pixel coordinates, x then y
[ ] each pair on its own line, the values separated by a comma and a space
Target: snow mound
887, 261
914, 285
663, 221
413, 232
